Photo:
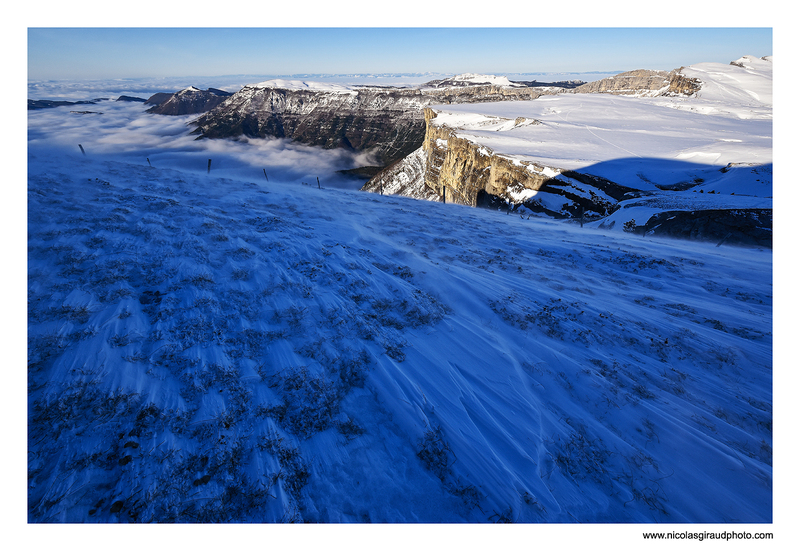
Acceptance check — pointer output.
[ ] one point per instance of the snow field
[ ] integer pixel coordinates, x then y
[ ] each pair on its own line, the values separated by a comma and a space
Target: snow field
204, 349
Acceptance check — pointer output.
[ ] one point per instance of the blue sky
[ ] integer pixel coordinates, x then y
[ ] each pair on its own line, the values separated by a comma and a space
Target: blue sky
99, 53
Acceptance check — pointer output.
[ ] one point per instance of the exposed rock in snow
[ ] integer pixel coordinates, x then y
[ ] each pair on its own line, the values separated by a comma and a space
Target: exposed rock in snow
386, 122
589, 154
632, 83
472, 79
404, 177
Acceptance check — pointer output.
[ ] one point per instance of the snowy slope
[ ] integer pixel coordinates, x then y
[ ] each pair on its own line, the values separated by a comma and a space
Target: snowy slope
294, 84
472, 79
581, 131
709, 151
741, 89
215, 349
730, 121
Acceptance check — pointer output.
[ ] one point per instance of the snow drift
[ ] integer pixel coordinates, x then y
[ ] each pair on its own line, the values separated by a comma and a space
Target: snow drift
207, 349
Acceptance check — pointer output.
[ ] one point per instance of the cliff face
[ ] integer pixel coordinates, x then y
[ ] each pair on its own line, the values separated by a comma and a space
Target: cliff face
468, 174
453, 169
643, 83
681, 85
405, 177
388, 122
456, 170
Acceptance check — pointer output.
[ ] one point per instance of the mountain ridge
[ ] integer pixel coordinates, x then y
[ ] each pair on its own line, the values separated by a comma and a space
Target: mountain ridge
385, 122
491, 155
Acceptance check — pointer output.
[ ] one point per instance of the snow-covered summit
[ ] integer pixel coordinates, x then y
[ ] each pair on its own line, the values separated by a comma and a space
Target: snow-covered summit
302, 85
754, 63
472, 79
475, 78
742, 88
464, 79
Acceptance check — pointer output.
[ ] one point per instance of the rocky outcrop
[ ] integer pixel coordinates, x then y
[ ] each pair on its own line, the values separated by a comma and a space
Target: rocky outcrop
643, 83
387, 122
405, 177
681, 85
739, 226
629, 83
456, 170
468, 174
190, 101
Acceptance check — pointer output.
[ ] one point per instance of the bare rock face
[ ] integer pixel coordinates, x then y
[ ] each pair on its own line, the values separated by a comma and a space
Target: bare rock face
629, 83
388, 122
680, 85
466, 174
405, 177
643, 83
189, 101
455, 170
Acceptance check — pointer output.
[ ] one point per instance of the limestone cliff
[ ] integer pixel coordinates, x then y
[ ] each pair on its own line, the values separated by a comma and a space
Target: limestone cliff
466, 173
405, 177
681, 85
456, 170
387, 122
643, 83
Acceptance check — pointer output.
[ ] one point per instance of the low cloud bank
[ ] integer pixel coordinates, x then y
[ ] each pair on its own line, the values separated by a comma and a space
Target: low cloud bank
124, 131
70, 90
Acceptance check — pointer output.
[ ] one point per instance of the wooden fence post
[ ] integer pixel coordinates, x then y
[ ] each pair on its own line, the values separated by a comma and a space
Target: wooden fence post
209, 166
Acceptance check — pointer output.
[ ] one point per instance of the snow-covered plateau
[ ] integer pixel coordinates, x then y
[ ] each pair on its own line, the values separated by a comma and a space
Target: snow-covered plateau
629, 162
219, 346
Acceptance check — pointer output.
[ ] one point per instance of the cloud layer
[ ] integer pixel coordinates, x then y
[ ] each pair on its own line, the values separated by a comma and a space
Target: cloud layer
124, 131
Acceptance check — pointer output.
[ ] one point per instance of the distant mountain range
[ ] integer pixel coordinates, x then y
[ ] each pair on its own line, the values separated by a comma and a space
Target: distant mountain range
387, 122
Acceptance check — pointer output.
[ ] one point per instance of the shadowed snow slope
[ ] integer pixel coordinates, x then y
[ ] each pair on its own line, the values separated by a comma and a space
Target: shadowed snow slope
209, 349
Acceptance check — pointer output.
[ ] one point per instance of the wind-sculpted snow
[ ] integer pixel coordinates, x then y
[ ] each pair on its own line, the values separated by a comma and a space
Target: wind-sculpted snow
207, 349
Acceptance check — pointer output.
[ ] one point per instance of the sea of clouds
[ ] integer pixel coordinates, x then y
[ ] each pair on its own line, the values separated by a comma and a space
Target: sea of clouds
118, 130
125, 131
145, 87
